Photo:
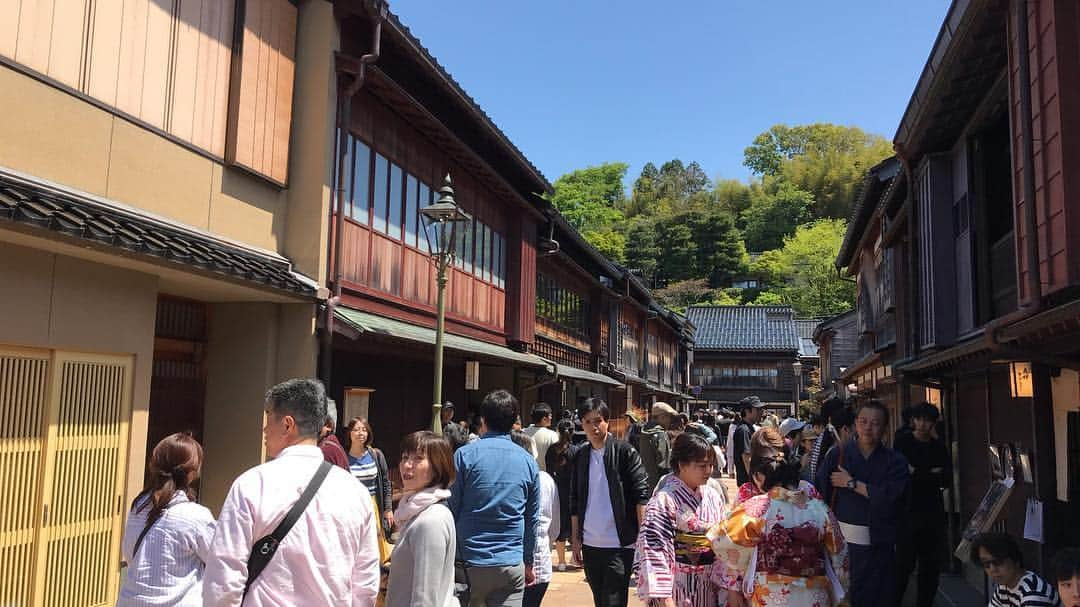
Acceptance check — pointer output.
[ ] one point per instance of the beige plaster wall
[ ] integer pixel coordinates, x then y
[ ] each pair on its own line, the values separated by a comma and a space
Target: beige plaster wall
312, 162
51, 134
252, 346
59, 302
1065, 393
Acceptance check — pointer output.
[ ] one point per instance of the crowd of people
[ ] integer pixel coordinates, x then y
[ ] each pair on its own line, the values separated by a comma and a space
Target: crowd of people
824, 512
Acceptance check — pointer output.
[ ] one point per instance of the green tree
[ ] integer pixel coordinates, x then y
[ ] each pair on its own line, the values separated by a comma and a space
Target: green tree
826, 160
811, 284
591, 198
721, 253
610, 243
642, 253
773, 216
683, 293
678, 251
732, 196
767, 298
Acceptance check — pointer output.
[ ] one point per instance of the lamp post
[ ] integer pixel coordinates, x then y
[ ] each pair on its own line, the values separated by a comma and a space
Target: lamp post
440, 222
797, 367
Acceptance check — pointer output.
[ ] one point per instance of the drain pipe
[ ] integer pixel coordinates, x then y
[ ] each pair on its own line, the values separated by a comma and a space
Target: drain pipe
344, 120
1027, 142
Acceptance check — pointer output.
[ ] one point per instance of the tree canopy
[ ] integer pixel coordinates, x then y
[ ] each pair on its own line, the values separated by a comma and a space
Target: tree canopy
687, 237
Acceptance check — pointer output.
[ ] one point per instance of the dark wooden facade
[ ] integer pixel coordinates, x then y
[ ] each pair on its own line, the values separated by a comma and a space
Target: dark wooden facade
968, 308
411, 124
837, 340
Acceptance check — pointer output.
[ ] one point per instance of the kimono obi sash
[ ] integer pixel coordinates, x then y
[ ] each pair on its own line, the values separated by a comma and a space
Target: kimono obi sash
793, 551
693, 549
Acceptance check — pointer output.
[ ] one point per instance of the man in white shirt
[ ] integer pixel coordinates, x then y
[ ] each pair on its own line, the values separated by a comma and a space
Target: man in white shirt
541, 433
331, 555
607, 502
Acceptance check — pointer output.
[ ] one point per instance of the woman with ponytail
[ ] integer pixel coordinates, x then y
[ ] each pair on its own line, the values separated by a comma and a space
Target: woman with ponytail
786, 539
167, 534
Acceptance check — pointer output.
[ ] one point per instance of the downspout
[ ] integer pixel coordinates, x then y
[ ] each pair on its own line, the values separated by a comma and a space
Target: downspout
1027, 142
344, 119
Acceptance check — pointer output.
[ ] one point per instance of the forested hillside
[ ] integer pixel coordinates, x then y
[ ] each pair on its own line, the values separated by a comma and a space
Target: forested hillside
695, 240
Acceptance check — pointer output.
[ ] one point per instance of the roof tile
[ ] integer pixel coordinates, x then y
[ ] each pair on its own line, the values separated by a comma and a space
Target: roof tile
744, 328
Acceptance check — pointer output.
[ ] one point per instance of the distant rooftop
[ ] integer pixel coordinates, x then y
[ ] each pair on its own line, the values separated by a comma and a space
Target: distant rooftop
744, 328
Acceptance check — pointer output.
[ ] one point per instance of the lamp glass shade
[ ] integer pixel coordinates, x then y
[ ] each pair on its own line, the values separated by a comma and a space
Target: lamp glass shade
1020, 380
441, 220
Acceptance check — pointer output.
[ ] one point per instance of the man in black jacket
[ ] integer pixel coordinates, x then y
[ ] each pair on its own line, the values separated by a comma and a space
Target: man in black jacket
607, 502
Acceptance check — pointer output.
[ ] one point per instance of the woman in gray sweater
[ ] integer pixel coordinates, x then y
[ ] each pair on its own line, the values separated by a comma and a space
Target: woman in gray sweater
422, 564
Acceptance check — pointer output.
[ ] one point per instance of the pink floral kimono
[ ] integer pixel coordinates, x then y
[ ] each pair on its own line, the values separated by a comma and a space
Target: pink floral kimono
789, 548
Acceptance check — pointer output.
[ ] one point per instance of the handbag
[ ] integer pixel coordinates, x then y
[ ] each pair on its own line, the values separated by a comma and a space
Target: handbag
264, 548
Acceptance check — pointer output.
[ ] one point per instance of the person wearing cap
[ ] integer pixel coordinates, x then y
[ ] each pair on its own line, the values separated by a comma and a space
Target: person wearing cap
653, 444
807, 439
446, 414
751, 408
791, 429
931, 472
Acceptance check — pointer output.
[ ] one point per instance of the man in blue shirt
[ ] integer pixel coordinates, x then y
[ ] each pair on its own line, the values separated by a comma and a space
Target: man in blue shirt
495, 501
865, 482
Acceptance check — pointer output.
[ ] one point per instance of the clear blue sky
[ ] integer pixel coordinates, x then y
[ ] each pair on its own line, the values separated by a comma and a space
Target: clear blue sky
578, 83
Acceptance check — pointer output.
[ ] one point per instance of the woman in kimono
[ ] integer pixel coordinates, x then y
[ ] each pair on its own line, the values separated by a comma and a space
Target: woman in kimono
674, 559
766, 442
786, 540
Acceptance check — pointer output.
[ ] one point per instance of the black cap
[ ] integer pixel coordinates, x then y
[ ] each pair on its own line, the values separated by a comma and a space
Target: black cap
448, 405
750, 402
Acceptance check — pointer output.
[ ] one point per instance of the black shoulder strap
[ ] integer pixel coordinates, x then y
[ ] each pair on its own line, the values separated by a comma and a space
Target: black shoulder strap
263, 550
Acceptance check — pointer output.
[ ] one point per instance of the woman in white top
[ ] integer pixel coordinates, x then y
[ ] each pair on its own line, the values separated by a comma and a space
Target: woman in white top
422, 566
167, 535
547, 529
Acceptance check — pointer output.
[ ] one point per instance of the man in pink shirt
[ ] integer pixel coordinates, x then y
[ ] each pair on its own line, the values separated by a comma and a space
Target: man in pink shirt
330, 556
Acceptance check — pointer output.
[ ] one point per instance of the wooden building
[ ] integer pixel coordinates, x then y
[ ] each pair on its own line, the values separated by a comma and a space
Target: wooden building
741, 351
837, 341
983, 221
530, 305
156, 270
603, 330
201, 199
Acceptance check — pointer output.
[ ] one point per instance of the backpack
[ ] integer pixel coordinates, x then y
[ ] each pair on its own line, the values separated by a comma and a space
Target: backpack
655, 451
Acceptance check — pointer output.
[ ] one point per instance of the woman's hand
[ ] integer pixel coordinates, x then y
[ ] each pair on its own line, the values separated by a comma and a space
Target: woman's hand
575, 551
389, 516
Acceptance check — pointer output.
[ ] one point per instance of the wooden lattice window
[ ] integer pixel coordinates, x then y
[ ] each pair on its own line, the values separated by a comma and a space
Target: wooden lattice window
64, 419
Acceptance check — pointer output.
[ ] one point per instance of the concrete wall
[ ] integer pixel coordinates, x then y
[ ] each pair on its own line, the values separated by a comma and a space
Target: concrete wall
52, 134
59, 302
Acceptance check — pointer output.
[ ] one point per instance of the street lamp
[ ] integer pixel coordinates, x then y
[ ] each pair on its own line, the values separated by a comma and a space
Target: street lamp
440, 224
797, 367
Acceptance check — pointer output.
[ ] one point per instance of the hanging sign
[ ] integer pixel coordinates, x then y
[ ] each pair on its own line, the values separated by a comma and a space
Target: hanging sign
472, 375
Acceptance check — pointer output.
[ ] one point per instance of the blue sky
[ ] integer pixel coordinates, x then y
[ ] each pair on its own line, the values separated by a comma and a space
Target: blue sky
575, 84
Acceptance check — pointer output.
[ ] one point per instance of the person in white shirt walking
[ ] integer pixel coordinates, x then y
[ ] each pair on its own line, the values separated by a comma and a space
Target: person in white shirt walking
541, 433
547, 529
167, 535
330, 555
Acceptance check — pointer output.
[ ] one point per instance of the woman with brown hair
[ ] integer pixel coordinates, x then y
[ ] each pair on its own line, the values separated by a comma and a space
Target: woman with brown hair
422, 572
675, 563
786, 542
368, 465
167, 535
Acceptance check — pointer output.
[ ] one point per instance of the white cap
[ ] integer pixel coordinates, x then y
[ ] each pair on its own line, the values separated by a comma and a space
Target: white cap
790, 425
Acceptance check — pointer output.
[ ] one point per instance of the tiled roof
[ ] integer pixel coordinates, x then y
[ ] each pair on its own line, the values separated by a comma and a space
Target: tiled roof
806, 326
427, 55
807, 348
744, 328
51, 208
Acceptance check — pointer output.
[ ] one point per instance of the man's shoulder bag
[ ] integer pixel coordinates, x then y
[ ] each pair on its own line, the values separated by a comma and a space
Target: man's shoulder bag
264, 548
